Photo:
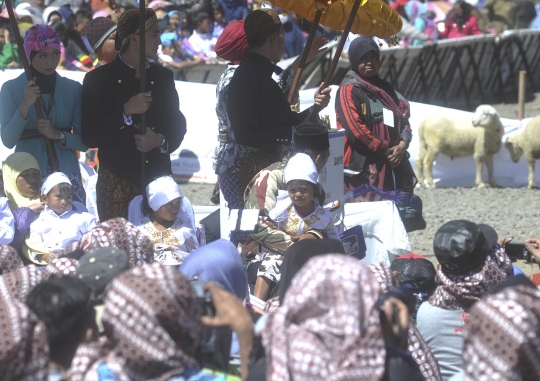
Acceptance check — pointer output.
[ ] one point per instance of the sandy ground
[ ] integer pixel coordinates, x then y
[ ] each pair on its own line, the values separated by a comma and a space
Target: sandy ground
512, 212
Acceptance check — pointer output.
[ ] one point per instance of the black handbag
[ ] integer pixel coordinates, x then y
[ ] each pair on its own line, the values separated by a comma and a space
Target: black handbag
410, 209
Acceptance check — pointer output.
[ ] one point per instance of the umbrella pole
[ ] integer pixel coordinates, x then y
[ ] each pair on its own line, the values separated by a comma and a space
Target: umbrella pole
142, 74
337, 55
51, 153
305, 53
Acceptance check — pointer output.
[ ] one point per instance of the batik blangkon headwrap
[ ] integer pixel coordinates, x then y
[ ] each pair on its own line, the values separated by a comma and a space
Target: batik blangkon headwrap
38, 38
501, 336
129, 24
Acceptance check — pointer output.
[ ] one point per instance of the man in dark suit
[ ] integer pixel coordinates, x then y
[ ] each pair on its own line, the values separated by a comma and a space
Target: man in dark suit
111, 107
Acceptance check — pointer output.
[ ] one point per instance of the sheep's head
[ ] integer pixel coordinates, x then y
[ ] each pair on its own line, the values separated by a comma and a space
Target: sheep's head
487, 117
513, 147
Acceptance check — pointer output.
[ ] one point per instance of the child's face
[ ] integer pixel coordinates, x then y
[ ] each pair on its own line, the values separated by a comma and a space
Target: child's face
174, 20
169, 211
301, 192
59, 202
218, 16
29, 182
168, 50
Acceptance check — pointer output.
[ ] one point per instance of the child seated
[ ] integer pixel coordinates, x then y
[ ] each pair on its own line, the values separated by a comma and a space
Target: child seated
59, 224
298, 215
166, 217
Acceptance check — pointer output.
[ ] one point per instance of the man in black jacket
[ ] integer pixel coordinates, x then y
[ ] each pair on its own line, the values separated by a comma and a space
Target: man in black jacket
260, 115
111, 108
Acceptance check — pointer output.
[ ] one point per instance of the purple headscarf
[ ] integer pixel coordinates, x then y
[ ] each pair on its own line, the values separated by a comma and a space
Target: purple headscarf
217, 262
38, 37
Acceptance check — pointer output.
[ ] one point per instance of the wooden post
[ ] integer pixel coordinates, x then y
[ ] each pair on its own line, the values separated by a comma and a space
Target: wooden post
49, 147
305, 53
337, 55
142, 74
522, 92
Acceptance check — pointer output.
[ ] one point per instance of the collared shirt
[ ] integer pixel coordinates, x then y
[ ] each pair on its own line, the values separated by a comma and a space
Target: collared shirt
54, 232
259, 112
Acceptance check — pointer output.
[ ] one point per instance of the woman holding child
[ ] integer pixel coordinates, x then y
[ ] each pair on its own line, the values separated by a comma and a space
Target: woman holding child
60, 100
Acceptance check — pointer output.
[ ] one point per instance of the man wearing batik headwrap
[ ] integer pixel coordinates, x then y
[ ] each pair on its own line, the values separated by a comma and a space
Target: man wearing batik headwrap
259, 113
471, 263
112, 104
101, 34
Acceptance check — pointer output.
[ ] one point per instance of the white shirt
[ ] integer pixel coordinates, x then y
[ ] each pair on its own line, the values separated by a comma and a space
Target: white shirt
294, 225
7, 224
203, 44
55, 232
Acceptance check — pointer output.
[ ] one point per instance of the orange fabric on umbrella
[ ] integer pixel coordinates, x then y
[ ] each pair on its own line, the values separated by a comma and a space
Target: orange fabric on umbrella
374, 17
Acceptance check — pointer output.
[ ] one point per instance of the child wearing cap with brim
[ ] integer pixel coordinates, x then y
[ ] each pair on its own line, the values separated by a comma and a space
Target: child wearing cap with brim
59, 225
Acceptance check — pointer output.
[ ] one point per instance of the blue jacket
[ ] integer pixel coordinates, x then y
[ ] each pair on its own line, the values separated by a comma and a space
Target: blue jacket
66, 113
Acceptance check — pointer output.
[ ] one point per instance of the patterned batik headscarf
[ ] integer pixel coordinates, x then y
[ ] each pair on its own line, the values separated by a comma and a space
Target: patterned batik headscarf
153, 319
118, 233
416, 345
9, 259
460, 292
502, 336
17, 284
24, 353
327, 327
38, 37
60, 267
129, 24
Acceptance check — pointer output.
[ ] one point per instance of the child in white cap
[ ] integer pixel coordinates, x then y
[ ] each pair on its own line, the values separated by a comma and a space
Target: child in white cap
298, 215
59, 224
166, 217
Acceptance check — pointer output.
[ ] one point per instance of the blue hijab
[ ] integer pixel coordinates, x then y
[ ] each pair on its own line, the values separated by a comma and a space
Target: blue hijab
217, 262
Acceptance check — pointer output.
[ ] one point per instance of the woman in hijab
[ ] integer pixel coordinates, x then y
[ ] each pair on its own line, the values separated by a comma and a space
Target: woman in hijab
22, 185
320, 332
218, 262
471, 263
60, 101
375, 119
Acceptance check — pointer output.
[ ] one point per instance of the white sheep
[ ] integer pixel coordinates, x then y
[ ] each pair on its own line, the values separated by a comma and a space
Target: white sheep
479, 136
526, 142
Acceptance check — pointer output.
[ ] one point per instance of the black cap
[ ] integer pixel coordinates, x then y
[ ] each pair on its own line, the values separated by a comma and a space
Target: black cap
311, 136
462, 246
100, 266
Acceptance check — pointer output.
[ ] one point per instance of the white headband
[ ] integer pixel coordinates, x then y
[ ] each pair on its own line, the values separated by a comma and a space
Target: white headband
162, 191
52, 180
301, 167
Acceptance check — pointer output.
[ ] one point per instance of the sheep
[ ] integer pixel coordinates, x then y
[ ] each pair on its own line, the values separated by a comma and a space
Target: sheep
479, 136
526, 142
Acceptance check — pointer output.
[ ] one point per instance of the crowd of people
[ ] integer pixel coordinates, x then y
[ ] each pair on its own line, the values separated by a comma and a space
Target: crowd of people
116, 280
190, 29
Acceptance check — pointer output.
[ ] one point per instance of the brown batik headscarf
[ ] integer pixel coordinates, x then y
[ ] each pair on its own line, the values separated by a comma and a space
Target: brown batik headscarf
320, 332
460, 292
152, 320
24, 353
416, 345
18, 283
9, 259
118, 233
129, 24
502, 336
60, 267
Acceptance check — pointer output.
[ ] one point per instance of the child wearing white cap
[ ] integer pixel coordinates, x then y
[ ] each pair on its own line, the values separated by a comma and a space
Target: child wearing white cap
298, 215
59, 224
166, 217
